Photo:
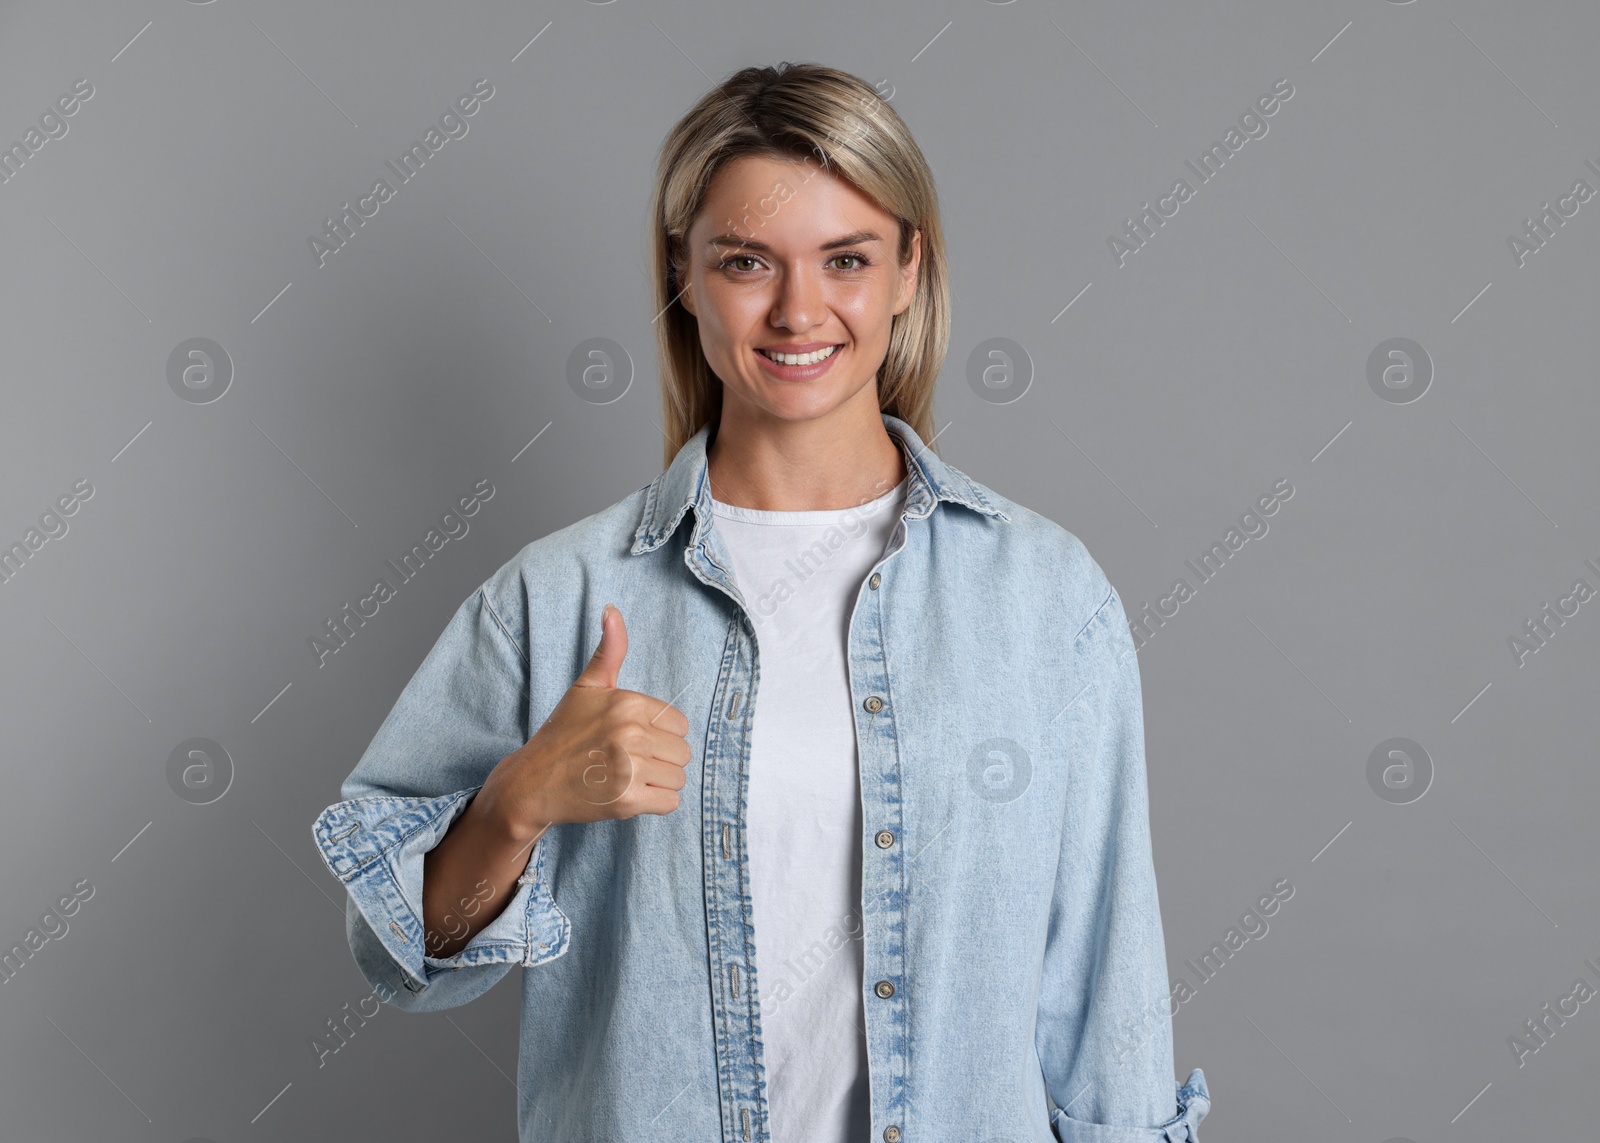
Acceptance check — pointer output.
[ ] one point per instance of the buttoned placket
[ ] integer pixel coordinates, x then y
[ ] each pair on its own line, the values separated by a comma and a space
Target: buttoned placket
741, 1073
736, 1016
883, 868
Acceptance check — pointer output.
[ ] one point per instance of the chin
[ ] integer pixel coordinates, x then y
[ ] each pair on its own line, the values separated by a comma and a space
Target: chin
805, 406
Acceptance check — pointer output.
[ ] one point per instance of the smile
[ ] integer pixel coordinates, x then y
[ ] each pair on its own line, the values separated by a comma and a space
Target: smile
799, 358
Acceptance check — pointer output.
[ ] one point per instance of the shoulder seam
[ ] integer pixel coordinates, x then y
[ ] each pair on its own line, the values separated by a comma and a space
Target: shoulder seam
500, 623
1094, 614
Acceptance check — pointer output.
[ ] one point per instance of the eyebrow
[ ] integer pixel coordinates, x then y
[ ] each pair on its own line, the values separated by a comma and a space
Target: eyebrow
741, 243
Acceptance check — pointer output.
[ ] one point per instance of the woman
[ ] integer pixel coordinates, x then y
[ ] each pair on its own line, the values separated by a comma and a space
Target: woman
840, 832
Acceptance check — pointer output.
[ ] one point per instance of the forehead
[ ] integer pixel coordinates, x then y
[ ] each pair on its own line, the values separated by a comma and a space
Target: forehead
784, 201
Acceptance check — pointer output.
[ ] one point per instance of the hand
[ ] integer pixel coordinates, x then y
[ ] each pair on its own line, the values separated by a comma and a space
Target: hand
603, 753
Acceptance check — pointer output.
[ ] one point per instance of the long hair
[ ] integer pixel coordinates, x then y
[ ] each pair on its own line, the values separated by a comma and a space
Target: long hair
840, 124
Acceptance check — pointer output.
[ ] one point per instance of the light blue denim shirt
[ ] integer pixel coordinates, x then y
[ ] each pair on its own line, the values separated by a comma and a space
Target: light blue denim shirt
1015, 978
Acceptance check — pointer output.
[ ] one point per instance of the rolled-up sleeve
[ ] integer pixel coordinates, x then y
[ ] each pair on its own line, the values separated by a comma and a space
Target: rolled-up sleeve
1104, 1023
464, 709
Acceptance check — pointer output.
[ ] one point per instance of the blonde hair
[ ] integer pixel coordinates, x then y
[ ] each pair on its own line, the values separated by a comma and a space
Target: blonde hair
837, 121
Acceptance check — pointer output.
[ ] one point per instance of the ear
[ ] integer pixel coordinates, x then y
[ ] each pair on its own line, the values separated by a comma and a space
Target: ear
909, 273
686, 294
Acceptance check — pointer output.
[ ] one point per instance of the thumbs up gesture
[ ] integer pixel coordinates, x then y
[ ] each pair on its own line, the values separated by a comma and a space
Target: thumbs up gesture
604, 752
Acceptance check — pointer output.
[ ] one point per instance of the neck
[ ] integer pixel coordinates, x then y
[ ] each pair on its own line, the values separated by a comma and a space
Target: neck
840, 461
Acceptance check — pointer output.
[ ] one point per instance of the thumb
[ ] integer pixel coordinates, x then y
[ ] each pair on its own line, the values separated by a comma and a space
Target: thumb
606, 663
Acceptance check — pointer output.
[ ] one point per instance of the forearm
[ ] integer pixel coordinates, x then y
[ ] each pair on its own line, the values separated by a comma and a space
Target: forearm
468, 878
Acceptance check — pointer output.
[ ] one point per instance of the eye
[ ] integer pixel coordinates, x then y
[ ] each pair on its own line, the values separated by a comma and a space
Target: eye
861, 261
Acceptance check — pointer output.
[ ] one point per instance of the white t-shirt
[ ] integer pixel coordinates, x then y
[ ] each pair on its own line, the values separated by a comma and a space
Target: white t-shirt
799, 573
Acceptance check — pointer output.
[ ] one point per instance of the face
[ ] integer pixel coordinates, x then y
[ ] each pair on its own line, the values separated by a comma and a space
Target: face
787, 257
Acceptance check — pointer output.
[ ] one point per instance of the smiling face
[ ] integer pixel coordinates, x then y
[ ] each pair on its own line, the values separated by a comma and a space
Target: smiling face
788, 258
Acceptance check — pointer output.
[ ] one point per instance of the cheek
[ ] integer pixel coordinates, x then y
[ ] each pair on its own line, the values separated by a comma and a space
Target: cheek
733, 310
712, 319
721, 337
865, 311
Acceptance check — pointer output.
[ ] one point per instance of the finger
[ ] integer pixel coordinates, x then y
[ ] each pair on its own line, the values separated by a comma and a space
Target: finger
661, 775
666, 747
664, 716
658, 801
606, 662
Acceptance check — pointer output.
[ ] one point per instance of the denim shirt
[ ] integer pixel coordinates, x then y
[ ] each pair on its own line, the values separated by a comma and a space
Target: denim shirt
1015, 983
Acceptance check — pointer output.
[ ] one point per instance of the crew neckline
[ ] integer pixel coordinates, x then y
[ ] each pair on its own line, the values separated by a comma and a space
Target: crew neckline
807, 515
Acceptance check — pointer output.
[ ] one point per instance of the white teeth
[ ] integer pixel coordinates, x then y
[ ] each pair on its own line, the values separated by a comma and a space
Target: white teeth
800, 358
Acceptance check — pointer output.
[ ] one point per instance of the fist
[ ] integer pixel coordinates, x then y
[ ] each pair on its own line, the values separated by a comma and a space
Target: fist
604, 752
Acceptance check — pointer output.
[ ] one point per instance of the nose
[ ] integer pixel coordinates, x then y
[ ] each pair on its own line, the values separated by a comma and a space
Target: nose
799, 304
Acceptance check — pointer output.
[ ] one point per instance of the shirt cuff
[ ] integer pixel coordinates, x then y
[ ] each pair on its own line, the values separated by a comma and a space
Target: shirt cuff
1194, 1100
376, 847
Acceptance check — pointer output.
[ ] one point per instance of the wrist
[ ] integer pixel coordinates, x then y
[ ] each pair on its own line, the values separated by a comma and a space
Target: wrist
502, 831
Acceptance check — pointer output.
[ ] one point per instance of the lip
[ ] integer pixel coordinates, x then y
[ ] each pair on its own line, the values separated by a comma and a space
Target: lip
799, 372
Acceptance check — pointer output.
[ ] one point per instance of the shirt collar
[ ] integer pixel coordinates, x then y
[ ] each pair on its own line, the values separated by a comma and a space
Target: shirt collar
684, 485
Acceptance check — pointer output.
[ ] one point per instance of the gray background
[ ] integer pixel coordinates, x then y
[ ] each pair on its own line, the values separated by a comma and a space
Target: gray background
370, 393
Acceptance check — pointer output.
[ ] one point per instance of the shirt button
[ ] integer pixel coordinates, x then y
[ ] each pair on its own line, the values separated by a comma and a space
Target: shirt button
873, 584
873, 703
891, 1134
884, 838
884, 989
